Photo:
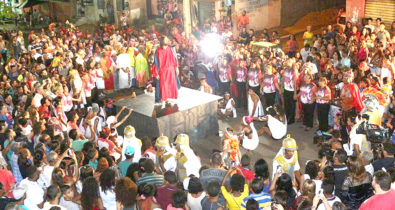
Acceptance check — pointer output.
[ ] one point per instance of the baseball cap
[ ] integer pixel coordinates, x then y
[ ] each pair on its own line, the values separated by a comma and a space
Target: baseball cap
129, 150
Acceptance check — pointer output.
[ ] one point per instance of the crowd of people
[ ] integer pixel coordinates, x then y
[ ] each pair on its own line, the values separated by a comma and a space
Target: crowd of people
60, 147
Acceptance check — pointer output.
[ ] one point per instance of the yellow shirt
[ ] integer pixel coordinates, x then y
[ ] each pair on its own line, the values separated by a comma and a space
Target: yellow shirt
308, 36
234, 203
55, 62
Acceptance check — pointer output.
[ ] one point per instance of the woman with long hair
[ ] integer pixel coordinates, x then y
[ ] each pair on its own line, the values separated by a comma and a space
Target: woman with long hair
261, 169
90, 195
283, 182
322, 98
306, 95
107, 184
357, 185
126, 193
307, 192
276, 123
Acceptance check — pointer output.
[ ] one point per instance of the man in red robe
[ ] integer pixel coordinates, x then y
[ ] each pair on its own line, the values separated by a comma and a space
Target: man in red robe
166, 65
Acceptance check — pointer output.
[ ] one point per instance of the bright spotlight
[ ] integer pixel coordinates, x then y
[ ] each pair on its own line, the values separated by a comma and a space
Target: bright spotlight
211, 45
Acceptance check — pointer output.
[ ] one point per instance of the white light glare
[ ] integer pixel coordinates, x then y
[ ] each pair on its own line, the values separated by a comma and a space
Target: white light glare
211, 45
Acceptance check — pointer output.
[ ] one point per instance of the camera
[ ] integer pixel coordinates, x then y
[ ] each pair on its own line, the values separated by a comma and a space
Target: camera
374, 133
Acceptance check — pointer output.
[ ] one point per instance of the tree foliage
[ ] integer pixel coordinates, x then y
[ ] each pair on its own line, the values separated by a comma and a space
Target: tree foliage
6, 11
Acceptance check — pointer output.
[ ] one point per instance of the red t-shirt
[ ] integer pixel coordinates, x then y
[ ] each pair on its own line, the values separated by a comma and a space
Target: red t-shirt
380, 202
7, 179
248, 174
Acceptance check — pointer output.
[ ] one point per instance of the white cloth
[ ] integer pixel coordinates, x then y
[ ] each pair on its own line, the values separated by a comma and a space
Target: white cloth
99, 81
277, 128
194, 203
36, 101
275, 163
108, 198
356, 138
34, 194
69, 205
230, 107
331, 201
46, 176
193, 164
259, 112
251, 144
48, 206
136, 144
124, 62
369, 168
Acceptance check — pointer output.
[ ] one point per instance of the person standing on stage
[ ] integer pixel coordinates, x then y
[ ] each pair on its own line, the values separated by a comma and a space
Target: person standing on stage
125, 75
167, 68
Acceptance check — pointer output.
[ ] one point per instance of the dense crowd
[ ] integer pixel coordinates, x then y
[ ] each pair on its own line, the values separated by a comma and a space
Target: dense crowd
60, 147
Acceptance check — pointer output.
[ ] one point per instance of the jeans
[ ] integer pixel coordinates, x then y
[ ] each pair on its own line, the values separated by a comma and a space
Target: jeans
157, 91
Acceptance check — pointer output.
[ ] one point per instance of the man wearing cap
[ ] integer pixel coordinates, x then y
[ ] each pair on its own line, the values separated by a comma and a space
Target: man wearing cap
130, 140
128, 154
166, 154
388, 161
287, 158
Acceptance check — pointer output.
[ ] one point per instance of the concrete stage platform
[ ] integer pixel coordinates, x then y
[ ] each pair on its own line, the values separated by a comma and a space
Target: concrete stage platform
194, 114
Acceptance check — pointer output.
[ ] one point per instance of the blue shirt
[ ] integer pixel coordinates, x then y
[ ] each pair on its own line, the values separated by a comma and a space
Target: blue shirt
263, 199
124, 165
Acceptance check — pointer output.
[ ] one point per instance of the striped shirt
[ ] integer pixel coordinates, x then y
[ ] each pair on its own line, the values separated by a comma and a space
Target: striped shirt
154, 179
263, 199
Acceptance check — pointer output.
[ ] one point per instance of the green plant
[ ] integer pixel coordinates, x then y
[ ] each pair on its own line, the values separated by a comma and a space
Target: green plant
6, 11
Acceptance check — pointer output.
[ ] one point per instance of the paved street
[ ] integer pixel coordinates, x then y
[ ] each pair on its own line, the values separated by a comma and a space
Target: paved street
268, 147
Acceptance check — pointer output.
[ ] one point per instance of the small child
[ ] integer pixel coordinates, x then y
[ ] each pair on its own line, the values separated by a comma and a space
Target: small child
67, 198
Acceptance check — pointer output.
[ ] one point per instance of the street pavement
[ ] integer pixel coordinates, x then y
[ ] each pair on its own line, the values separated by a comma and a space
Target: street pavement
267, 148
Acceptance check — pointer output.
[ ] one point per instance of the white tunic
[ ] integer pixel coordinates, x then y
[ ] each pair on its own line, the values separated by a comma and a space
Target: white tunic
259, 112
123, 62
251, 144
277, 128
136, 144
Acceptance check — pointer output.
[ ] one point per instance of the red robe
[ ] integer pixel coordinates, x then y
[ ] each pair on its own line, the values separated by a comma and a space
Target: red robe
167, 64
109, 77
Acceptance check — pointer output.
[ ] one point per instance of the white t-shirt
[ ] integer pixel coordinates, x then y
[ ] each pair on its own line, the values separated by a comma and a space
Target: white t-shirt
195, 203
355, 138
69, 205
109, 201
331, 201
34, 194
48, 206
46, 176
36, 101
